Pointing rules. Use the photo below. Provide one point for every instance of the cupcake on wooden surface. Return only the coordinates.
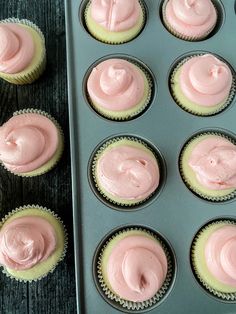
(22, 51)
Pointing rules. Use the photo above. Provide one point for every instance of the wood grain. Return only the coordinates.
(55, 293)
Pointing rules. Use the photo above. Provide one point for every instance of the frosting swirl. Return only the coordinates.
(116, 84)
(214, 162)
(27, 141)
(192, 18)
(205, 80)
(26, 241)
(220, 253)
(116, 15)
(16, 48)
(137, 268)
(128, 172)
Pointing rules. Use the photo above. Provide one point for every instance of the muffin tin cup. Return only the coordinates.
(119, 205)
(227, 297)
(84, 12)
(38, 69)
(230, 99)
(115, 300)
(60, 150)
(135, 114)
(225, 135)
(219, 12)
(22, 208)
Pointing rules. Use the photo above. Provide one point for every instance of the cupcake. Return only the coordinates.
(31, 143)
(125, 171)
(22, 51)
(32, 242)
(189, 19)
(114, 22)
(134, 268)
(214, 258)
(202, 84)
(208, 166)
(119, 89)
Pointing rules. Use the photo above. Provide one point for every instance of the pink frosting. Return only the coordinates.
(27, 141)
(220, 253)
(137, 268)
(192, 18)
(16, 48)
(26, 241)
(116, 85)
(128, 172)
(214, 162)
(116, 15)
(205, 80)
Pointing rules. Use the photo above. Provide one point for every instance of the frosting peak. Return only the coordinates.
(116, 84)
(205, 80)
(214, 162)
(137, 268)
(27, 141)
(194, 12)
(220, 252)
(115, 15)
(16, 48)
(116, 79)
(26, 241)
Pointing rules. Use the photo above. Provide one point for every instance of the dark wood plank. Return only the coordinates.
(56, 292)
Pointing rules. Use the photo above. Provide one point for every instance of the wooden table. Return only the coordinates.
(54, 294)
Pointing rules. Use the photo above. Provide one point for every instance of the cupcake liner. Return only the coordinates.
(61, 134)
(22, 208)
(38, 69)
(182, 36)
(219, 109)
(204, 196)
(93, 171)
(221, 295)
(130, 305)
(141, 109)
(110, 42)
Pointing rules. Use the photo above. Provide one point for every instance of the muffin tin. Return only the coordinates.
(177, 214)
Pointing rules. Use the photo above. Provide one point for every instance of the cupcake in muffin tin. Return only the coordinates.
(203, 84)
(114, 22)
(213, 258)
(126, 172)
(208, 165)
(119, 89)
(134, 268)
(190, 20)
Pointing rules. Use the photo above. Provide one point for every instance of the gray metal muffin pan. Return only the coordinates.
(177, 214)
